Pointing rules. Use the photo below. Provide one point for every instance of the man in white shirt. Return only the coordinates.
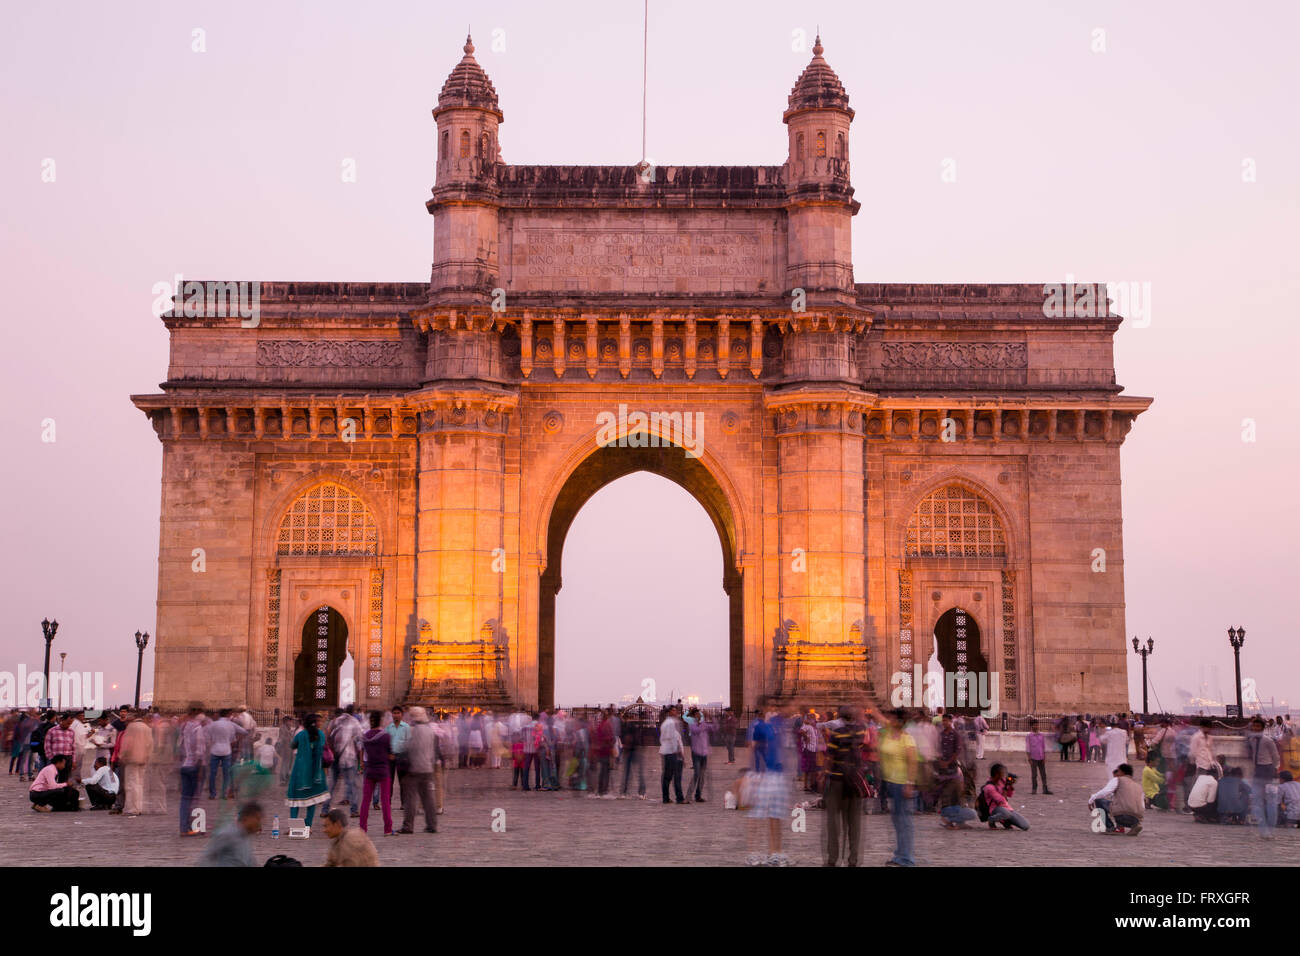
(345, 740)
(264, 754)
(1114, 744)
(80, 737)
(244, 719)
(101, 788)
(670, 750)
(1199, 751)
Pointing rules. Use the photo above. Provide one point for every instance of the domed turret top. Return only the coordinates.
(468, 86)
(818, 87)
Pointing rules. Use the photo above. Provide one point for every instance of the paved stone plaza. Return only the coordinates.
(548, 829)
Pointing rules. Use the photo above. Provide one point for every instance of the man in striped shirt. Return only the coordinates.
(844, 752)
(61, 740)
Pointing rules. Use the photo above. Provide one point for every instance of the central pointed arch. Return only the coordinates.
(601, 467)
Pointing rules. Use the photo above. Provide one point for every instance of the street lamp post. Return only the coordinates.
(49, 629)
(63, 656)
(1144, 651)
(1237, 637)
(141, 642)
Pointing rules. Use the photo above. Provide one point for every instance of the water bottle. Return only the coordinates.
(275, 827)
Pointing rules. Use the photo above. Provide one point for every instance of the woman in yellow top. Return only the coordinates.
(1153, 784)
(1289, 749)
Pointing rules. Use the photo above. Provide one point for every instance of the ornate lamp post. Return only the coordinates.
(1144, 651)
(63, 684)
(1237, 637)
(141, 642)
(49, 629)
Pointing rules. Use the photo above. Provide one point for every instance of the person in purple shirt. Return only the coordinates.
(1036, 751)
(700, 730)
(377, 747)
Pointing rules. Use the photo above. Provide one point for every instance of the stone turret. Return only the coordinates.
(817, 180)
(465, 215)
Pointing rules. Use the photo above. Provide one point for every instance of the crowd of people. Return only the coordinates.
(852, 762)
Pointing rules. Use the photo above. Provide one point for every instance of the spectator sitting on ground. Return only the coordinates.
(101, 788)
(1204, 793)
(953, 813)
(1153, 782)
(1233, 800)
(1289, 792)
(348, 847)
(51, 790)
(1121, 801)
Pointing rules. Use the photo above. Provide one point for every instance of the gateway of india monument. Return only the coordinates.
(897, 473)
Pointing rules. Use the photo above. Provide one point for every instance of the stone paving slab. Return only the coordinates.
(567, 829)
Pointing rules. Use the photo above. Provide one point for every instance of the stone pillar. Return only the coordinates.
(460, 530)
(820, 434)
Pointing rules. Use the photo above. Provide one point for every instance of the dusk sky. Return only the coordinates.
(1168, 161)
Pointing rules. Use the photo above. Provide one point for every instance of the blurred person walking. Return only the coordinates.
(1264, 758)
(284, 745)
(846, 787)
(344, 737)
(135, 753)
(730, 727)
(193, 753)
(770, 791)
(603, 750)
(632, 757)
(898, 767)
(417, 780)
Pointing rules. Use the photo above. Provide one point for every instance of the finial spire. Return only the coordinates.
(817, 43)
(469, 43)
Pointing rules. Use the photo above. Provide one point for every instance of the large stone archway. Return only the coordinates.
(466, 411)
(602, 467)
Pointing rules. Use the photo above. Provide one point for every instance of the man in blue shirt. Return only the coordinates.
(399, 733)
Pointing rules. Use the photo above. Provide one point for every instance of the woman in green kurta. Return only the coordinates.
(307, 786)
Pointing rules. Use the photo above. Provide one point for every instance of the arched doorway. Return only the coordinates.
(600, 468)
(316, 667)
(957, 642)
(643, 613)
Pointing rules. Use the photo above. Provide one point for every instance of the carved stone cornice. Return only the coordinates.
(813, 409)
(485, 411)
(899, 419)
(824, 321)
(277, 417)
(443, 319)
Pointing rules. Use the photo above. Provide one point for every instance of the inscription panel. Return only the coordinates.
(616, 253)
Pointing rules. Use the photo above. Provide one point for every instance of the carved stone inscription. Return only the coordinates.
(638, 255)
(954, 355)
(324, 353)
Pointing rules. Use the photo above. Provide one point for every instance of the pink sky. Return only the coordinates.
(1116, 166)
